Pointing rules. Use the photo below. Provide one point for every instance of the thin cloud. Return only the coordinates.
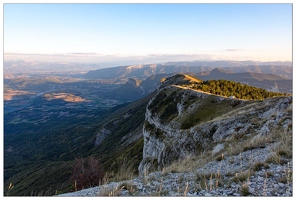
(234, 49)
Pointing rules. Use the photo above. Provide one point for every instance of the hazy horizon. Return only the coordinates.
(92, 58)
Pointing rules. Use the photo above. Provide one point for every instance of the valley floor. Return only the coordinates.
(251, 173)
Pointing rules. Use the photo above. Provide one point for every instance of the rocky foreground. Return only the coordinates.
(231, 176)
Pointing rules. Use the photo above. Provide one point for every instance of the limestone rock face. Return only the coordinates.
(180, 121)
(101, 136)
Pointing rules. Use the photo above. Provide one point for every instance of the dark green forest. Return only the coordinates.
(231, 88)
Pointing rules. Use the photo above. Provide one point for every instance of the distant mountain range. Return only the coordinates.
(144, 71)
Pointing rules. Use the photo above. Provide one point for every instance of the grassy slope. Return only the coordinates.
(43, 163)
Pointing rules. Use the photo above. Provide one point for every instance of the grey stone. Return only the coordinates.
(281, 185)
(260, 178)
(251, 190)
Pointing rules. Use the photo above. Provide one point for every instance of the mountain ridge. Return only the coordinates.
(225, 140)
(144, 71)
(158, 129)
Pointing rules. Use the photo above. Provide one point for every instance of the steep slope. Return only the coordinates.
(180, 121)
(135, 88)
(41, 162)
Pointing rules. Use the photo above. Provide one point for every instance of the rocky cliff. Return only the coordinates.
(180, 121)
(199, 144)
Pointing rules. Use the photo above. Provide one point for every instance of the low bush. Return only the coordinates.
(86, 173)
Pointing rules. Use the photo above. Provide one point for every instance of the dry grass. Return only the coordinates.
(208, 181)
(243, 176)
(259, 165)
(189, 163)
(131, 188)
(104, 191)
(220, 157)
(125, 172)
(10, 187)
(245, 189)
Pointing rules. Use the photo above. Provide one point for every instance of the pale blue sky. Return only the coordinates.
(231, 31)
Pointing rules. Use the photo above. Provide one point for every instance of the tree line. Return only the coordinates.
(236, 89)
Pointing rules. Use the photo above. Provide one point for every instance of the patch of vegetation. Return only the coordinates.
(86, 173)
(153, 130)
(169, 112)
(282, 180)
(259, 165)
(283, 152)
(128, 186)
(202, 181)
(155, 104)
(245, 190)
(220, 157)
(40, 178)
(207, 110)
(231, 88)
(189, 101)
(165, 105)
(243, 176)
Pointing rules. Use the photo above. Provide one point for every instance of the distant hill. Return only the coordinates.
(144, 71)
(284, 71)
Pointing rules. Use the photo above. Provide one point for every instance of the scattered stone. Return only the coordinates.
(260, 178)
(259, 185)
(251, 190)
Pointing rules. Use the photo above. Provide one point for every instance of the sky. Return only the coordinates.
(104, 32)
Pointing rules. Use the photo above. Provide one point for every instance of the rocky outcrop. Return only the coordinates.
(101, 136)
(181, 121)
